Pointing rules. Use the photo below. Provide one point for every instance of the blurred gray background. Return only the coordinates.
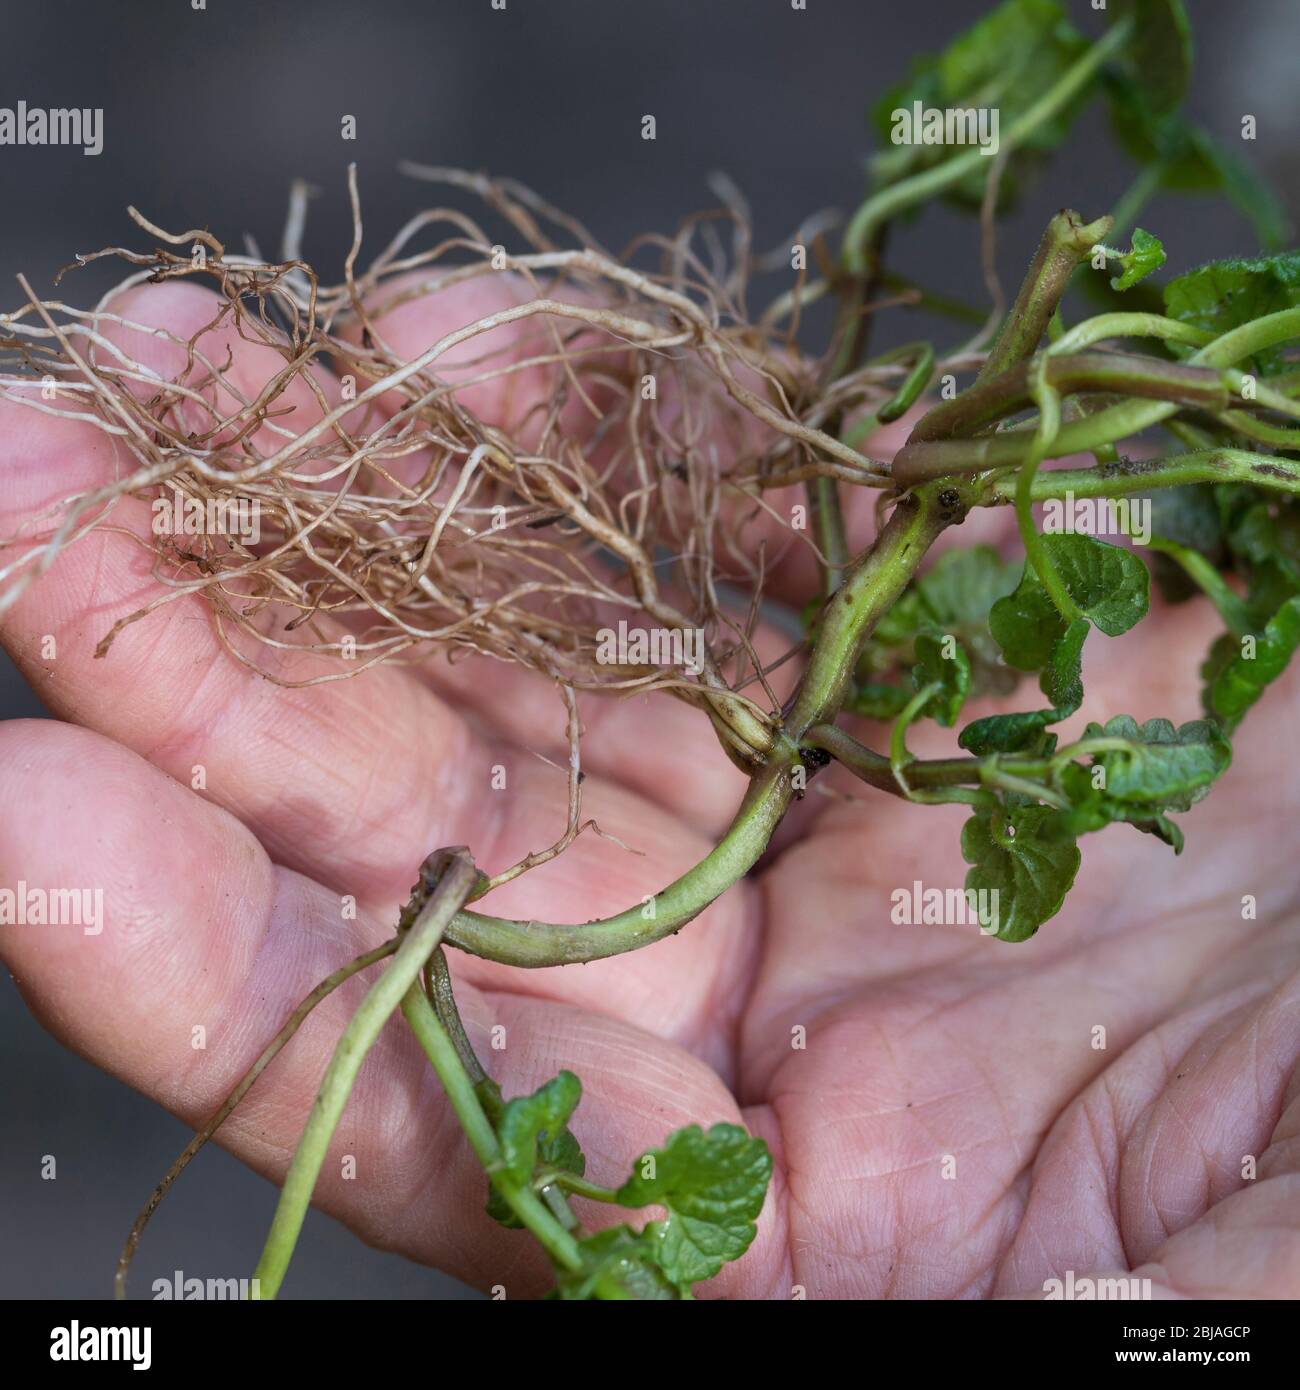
(209, 116)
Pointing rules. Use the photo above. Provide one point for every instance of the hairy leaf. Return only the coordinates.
(1006, 62)
(878, 700)
(1061, 681)
(1162, 766)
(1092, 809)
(1109, 584)
(950, 672)
(952, 598)
(1235, 683)
(712, 1185)
(618, 1263)
(958, 590)
(1226, 294)
(1019, 853)
(534, 1131)
(1264, 534)
(1160, 51)
(1147, 255)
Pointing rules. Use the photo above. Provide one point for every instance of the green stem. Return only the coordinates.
(223, 1112)
(358, 1037)
(937, 458)
(874, 768)
(1000, 777)
(870, 587)
(442, 998)
(1049, 422)
(535, 944)
(1279, 436)
(1141, 475)
(571, 1182)
(828, 527)
(1065, 243)
(1230, 606)
(900, 196)
(1102, 327)
(899, 757)
(456, 1081)
(869, 590)
(1122, 373)
(914, 383)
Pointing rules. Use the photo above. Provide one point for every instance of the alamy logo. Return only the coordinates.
(1125, 1289)
(956, 125)
(39, 125)
(193, 1289)
(1098, 516)
(952, 907)
(52, 907)
(181, 515)
(77, 1343)
(656, 646)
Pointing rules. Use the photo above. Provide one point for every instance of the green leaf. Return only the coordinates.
(534, 1132)
(712, 1185)
(1110, 585)
(1147, 255)
(1264, 533)
(1160, 52)
(1006, 61)
(876, 700)
(952, 598)
(1189, 516)
(1018, 853)
(1226, 294)
(1061, 682)
(1092, 809)
(1062, 677)
(1164, 829)
(940, 661)
(1162, 766)
(1237, 181)
(1020, 732)
(618, 1264)
(1188, 159)
(1157, 769)
(957, 591)
(1235, 683)
(536, 1127)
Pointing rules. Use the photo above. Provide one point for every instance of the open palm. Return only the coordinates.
(950, 1115)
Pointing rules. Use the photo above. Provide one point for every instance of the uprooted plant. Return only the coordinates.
(672, 419)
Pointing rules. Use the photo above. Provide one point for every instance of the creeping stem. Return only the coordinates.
(383, 997)
(546, 943)
(1049, 421)
(866, 593)
(1141, 475)
(930, 458)
(465, 1101)
(322, 991)
(906, 193)
(1066, 242)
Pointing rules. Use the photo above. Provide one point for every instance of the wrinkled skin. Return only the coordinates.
(923, 1043)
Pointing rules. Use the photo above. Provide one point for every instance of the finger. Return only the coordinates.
(352, 782)
(409, 315)
(1181, 1161)
(206, 947)
(686, 775)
